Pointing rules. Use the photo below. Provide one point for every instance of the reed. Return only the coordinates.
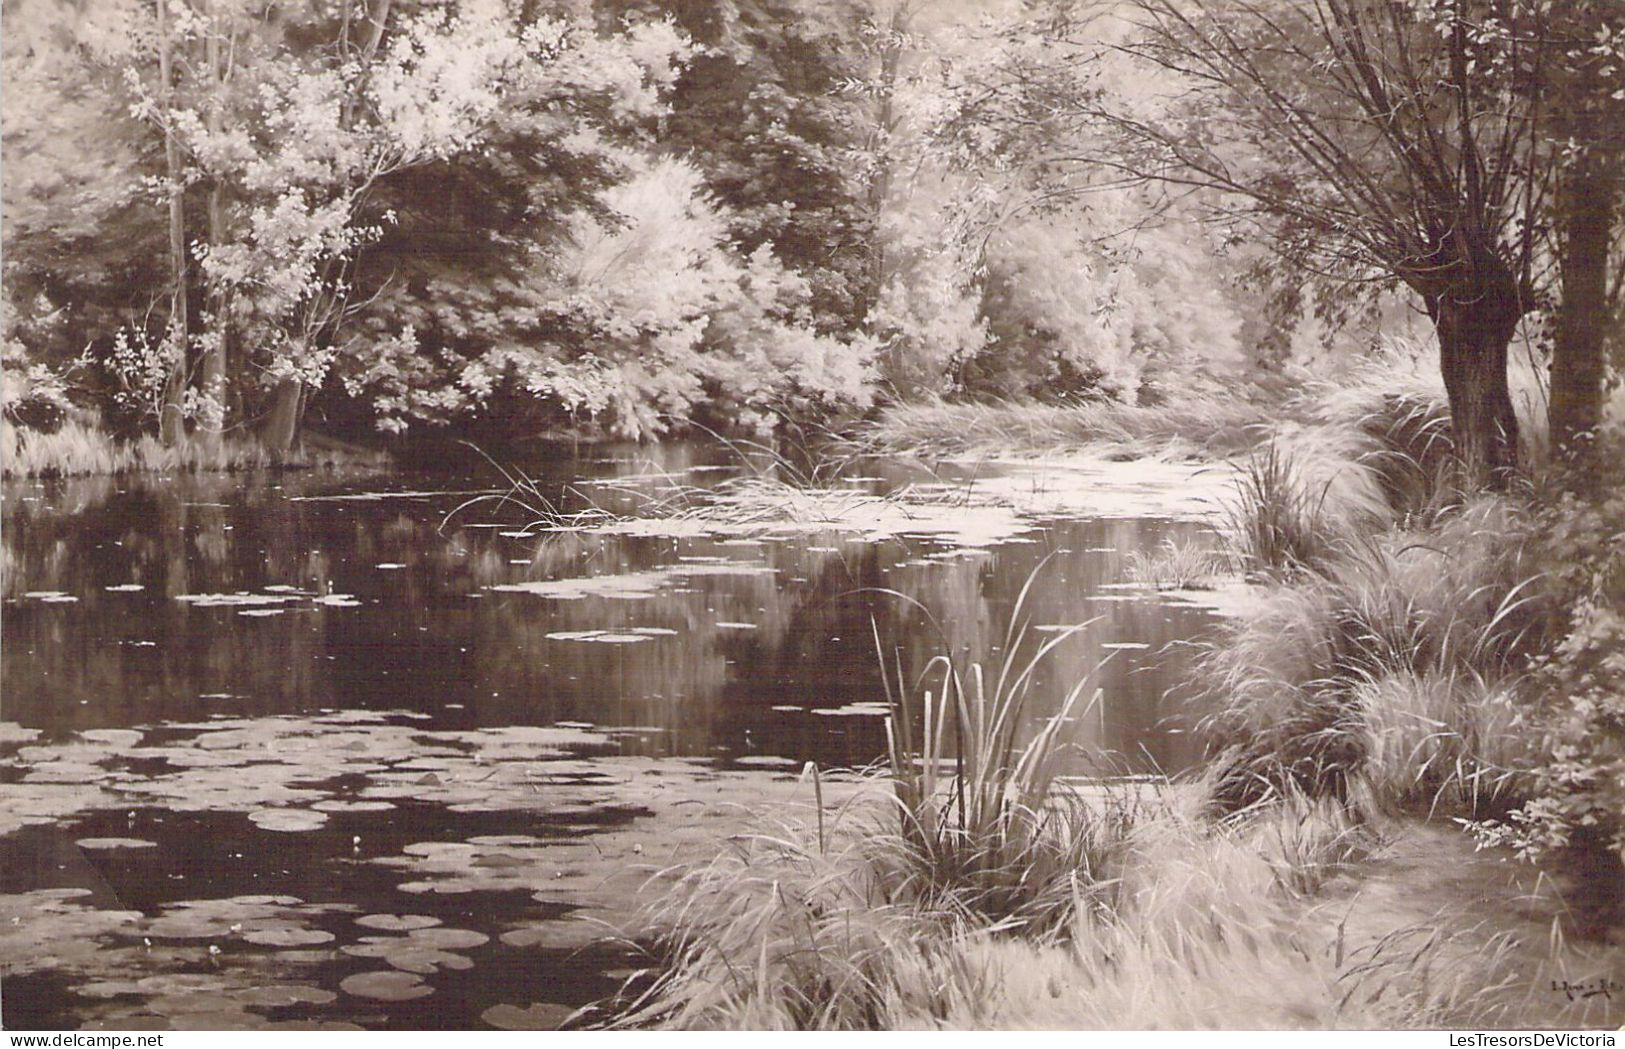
(983, 825)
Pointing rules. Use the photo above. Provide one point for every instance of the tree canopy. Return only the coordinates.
(222, 216)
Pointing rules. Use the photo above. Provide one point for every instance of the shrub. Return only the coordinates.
(1578, 792)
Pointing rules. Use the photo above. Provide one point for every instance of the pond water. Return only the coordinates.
(324, 749)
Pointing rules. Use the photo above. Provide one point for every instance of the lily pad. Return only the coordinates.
(397, 922)
(391, 985)
(11, 732)
(113, 737)
(426, 960)
(287, 820)
(274, 996)
(342, 805)
(540, 1016)
(447, 939)
(115, 843)
(287, 936)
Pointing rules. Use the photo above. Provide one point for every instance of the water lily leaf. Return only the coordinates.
(505, 839)
(426, 960)
(440, 850)
(115, 843)
(287, 936)
(540, 1016)
(601, 636)
(341, 805)
(220, 1020)
(11, 732)
(112, 737)
(277, 995)
(185, 926)
(447, 939)
(397, 922)
(391, 985)
(556, 935)
(287, 820)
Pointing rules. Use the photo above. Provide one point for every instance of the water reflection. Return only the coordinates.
(182, 654)
(201, 596)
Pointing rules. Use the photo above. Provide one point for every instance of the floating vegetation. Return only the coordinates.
(441, 938)
(288, 936)
(397, 922)
(600, 636)
(115, 843)
(389, 985)
(541, 1016)
(287, 820)
(233, 600)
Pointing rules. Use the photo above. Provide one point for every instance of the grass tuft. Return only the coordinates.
(984, 828)
(1388, 677)
(1176, 565)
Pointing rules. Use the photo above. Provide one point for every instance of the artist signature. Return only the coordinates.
(1602, 986)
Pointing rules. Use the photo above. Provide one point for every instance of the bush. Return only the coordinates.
(1578, 793)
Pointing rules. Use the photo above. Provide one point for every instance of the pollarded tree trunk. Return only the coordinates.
(1586, 203)
(1474, 333)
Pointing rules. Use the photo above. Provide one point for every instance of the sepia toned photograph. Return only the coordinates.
(603, 515)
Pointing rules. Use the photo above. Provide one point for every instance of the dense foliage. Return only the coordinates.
(222, 216)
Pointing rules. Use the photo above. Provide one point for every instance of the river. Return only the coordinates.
(331, 748)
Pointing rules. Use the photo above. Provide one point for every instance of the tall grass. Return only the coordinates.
(78, 449)
(1206, 926)
(983, 827)
(1277, 520)
(1389, 676)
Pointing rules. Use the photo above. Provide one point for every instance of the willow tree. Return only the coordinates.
(1395, 139)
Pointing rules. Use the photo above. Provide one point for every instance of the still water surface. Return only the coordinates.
(302, 749)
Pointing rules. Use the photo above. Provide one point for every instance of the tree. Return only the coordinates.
(1588, 109)
(1386, 138)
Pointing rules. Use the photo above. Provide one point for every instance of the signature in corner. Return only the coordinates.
(1575, 990)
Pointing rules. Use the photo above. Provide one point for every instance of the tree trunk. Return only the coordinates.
(171, 417)
(1473, 339)
(282, 425)
(1586, 205)
(216, 354)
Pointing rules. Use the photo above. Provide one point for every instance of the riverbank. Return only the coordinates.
(1292, 918)
(77, 449)
(1383, 838)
